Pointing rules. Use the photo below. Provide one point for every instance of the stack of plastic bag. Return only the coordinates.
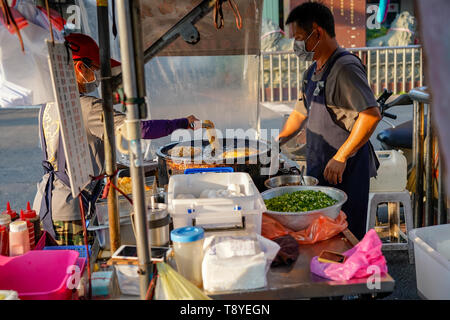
(237, 262)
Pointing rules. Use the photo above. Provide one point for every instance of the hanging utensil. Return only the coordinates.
(301, 175)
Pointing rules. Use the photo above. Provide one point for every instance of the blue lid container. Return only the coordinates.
(187, 234)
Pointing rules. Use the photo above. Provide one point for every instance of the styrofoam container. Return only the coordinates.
(194, 184)
(432, 258)
(392, 173)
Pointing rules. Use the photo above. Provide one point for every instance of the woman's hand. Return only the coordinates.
(194, 123)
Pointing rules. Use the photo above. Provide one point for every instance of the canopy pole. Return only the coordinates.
(108, 123)
(131, 52)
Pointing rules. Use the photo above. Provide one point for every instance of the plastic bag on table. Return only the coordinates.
(173, 286)
(363, 260)
(322, 228)
(271, 228)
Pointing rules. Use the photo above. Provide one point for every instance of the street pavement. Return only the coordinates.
(21, 157)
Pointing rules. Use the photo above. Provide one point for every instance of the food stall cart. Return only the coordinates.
(283, 282)
(293, 282)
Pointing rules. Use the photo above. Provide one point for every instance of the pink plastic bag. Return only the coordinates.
(363, 260)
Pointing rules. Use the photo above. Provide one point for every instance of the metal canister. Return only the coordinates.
(158, 220)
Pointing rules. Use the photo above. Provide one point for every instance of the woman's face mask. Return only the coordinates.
(90, 86)
(300, 49)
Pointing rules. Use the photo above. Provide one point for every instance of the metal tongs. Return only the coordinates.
(301, 176)
(205, 125)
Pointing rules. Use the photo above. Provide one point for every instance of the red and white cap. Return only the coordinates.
(84, 46)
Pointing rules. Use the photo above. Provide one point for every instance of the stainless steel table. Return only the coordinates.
(297, 282)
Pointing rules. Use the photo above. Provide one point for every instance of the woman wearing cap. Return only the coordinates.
(58, 211)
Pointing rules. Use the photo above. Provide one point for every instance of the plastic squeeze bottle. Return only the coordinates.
(4, 240)
(10, 212)
(19, 240)
(31, 216)
(30, 228)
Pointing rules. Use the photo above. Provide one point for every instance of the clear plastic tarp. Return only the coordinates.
(215, 79)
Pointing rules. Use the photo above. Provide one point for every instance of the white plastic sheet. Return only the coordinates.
(22, 75)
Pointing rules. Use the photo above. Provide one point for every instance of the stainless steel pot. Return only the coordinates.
(290, 180)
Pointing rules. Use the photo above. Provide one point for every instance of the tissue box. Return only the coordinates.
(237, 263)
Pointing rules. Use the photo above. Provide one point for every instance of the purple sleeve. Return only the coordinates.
(154, 129)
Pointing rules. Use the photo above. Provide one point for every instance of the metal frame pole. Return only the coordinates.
(130, 33)
(108, 116)
(429, 210)
(442, 202)
(418, 162)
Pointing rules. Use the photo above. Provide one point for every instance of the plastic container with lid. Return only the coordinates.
(188, 249)
(19, 240)
(10, 212)
(31, 216)
(4, 241)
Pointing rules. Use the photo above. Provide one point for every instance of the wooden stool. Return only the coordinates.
(393, 199)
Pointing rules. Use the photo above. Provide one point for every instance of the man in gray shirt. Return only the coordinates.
(340, 109)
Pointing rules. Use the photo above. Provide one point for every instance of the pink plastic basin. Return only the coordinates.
(39, 274)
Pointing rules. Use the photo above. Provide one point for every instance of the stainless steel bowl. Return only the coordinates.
(297, 221)
(290, 180)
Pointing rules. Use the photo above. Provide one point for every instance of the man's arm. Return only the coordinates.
(364, 126)
(292, 125)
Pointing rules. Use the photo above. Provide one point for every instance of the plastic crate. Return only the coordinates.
(80, 249)
(220, 210)
(432, 259)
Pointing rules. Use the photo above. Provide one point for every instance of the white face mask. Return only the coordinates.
(91, 86)
(300, 49)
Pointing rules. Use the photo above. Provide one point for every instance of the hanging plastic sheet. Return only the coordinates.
(23, 74)
(215, 79)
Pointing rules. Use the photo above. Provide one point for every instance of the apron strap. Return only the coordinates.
(45, 211)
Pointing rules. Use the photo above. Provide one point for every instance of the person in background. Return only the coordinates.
(58, 211)
(339, 109)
